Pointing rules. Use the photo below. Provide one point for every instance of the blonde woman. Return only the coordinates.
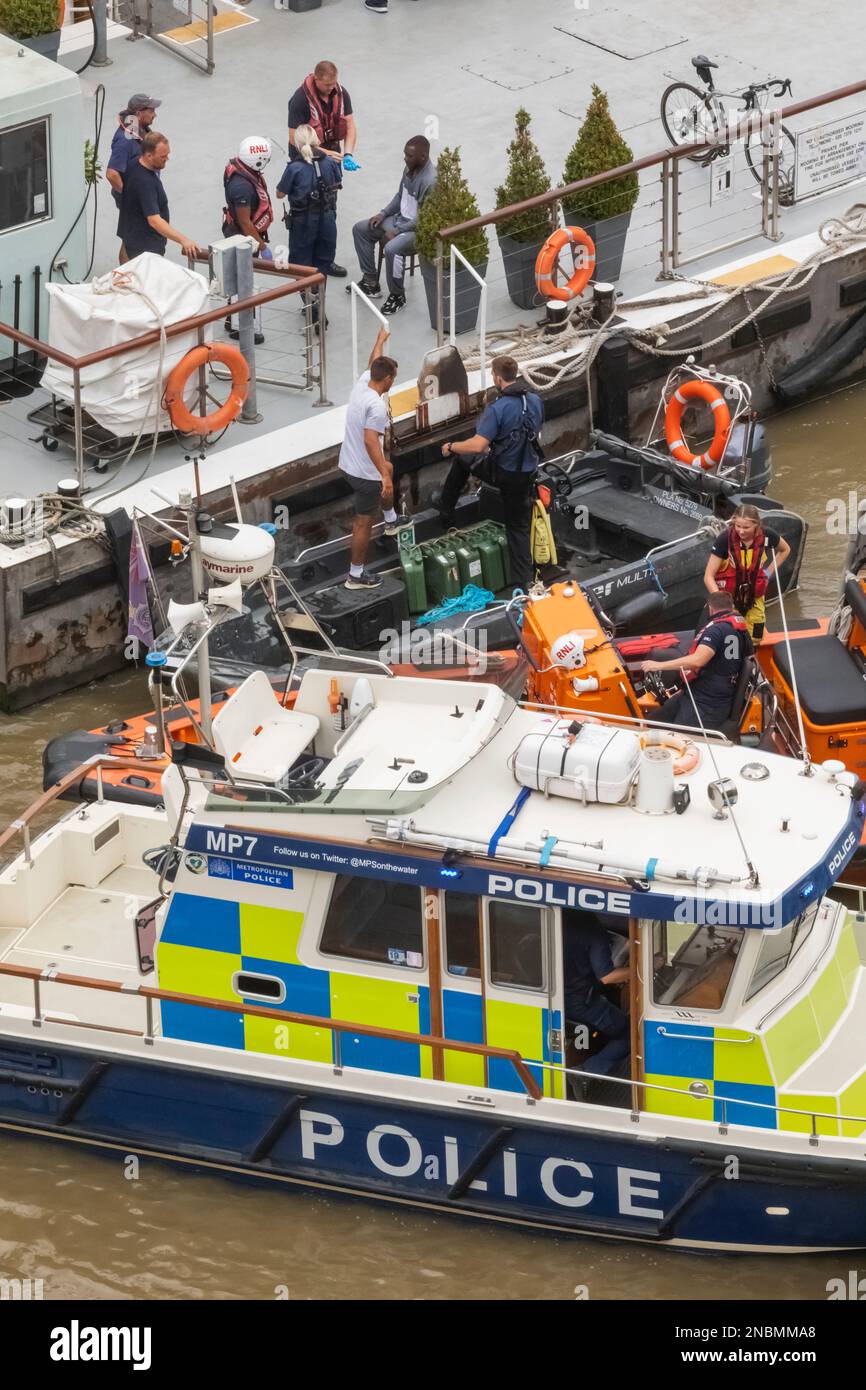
(309, 186)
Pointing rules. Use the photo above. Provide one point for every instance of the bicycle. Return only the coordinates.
(689, 114)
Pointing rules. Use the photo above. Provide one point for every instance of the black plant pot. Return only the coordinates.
(467, 295)
(46, 44)
(519, 258)
(609, 237)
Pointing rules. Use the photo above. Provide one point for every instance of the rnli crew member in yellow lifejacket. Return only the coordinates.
(742, 563)
(711, 668)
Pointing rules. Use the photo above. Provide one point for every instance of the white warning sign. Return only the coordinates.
(831, 154)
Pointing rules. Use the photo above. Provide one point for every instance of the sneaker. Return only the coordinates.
(393, 303)
(393, 528)
(376, 6)
(339, 271)
(364, 580)
(370, 288)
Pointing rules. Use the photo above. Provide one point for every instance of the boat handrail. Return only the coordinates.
(21, 824)
(603, 717)
(337, 1026)
(705, 529)
(724, 1101)
(858, 888)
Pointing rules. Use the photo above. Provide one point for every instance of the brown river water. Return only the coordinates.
(72, 1218)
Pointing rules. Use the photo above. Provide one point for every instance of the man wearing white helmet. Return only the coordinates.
(248, 209)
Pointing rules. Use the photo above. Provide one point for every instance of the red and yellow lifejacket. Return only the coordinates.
(742, 573)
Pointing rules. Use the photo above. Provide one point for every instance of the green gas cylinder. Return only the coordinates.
(468, 558)
(412, 563)
(490, 555)
(441, 571)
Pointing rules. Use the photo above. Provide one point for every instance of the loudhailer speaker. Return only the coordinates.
(227, 596)
(180, 615)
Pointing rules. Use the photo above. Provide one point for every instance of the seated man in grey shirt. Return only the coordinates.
(395, 226)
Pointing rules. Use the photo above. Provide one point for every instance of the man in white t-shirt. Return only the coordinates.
(369, 473)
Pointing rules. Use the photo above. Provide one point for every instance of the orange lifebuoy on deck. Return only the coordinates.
(687, 755)
(548, 259)
(697, 391)
(180, 416)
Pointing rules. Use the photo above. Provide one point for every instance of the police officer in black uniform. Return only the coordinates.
(310, 183)
(508, 433)
(715, 662)
(589, 968)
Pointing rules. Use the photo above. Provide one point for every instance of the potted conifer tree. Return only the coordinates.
(33, 23)
(449, 202)
(521, 237)
(605, 210)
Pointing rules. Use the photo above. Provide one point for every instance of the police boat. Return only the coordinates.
(338, 956)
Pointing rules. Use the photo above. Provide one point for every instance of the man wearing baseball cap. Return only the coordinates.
(133, 123)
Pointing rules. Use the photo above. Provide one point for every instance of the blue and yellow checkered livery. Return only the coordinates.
(207, 941)
(757, 1067)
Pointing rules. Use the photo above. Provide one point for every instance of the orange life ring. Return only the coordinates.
(687, 754)
(697, 391)
(182, 419)
(548, 259)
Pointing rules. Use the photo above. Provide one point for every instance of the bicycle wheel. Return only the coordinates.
(754, 151)
(688, 115)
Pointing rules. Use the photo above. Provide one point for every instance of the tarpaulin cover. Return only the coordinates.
(119, 392)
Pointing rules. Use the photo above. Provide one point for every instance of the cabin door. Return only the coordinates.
(522, 952)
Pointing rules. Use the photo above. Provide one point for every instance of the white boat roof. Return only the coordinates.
(429, 769)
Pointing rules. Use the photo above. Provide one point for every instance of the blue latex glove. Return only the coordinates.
(350, 163)
(266, 254)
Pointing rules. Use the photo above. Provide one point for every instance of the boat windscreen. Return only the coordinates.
(342, 801)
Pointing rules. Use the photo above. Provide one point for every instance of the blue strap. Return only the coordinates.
(651, 869)
(653, 575)
(546, 851)
(507, 820)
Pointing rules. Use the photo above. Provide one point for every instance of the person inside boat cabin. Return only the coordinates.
(742, 561)
(588, 970)
(711, 668)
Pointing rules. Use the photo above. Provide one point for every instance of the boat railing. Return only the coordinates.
(96, 764)
(858, 888)
(338, 1027)
(631, 720)
(703, 1095)
(282, 1017)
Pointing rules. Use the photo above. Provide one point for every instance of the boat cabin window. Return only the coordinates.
(372, 921)
(778, 949)
(516, 952)
(269, 989)
(693, 965)
(462, 941)
(25, 194)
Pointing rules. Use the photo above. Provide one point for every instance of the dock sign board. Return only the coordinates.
(831, 154)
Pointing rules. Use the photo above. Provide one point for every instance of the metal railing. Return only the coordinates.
(277, 351)
(199, 14)
(724, 1124)
(337, 1027)
(670, 219)
(89, 440)
(358, 294)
